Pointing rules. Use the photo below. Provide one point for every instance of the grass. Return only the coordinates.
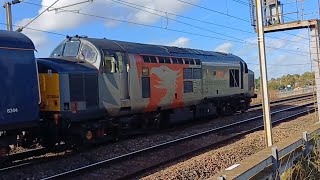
(273, 95)
(307, 166)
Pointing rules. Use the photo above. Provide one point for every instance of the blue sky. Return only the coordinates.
(232, 33)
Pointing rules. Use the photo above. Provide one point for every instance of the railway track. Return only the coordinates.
(20, 162)
(287, 99)
(141, 161)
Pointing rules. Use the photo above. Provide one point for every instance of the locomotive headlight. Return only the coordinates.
(89, 135)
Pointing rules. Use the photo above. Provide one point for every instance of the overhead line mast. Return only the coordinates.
(271, 20)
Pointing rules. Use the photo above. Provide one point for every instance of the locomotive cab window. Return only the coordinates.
(88, 53)
(58, 51)
(71, 48)
(234, 79)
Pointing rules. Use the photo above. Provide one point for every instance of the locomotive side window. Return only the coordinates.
(167, 60)
(187, 73)
(174, 60)
(197, 73)
(161, 59)
(88, 53)
(71, 48)
(122, 61)
(109, 64)
(146, 59)
(153, 59)
(187, 86)
(145, 87)
(234, 77)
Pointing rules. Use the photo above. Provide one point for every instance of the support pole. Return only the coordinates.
(315, 57)
(7, 6)
(263, 75)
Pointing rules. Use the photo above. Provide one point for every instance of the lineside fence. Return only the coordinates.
(296, 92)
(271, 162)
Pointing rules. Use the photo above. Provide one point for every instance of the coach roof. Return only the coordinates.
(15, 40)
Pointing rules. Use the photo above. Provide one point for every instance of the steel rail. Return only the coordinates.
(292, 98)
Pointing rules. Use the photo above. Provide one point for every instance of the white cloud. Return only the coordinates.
(63, 20)
(180, 42)
(225, 47)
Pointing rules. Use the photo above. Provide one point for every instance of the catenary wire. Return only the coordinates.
(190, 18)
(181, 31)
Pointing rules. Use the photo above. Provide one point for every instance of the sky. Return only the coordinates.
(214, 25)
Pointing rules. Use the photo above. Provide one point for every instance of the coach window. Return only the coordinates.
(234, 77)
(88, 53)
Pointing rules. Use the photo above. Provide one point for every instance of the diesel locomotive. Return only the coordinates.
(94, 89)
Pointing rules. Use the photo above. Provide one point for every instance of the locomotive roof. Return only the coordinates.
(159, 50)
(12, 39)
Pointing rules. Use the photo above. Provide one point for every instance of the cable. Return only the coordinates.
(49, 32)
(21, 28)
(241, 2)
(280, 65)
(153, 9)
(222, 13)
(126, 4)
(191, 25)
(185, 32)
(282, 32)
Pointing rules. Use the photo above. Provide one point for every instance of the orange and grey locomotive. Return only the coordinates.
(96, 88)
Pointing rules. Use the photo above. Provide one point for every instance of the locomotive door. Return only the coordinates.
(115, 67)
(123, 75)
